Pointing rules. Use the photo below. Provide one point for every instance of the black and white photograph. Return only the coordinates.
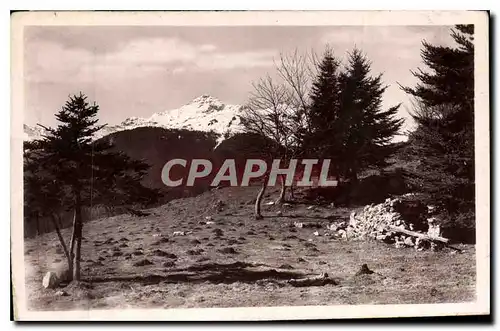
(250, 165)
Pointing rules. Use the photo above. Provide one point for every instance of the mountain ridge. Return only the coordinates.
(204, 113)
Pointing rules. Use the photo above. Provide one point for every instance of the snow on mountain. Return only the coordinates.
(32, 133)
(205, 113)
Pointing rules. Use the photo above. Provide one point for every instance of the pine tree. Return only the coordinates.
(323, 139)
(367, 129)
(443, 141)
(347, 122)
(68, 169)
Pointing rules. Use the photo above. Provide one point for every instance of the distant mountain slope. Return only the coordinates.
(156, 146)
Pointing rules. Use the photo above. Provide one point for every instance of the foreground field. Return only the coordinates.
(236, 261)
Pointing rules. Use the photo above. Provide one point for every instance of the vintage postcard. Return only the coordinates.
(190, 166)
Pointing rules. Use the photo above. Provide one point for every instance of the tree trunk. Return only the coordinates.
(72, 246)
(37, 218)
(78, 238)
(354, 175)
(258, 201)
(416, 234)
(281, 198)
(63, 243)
(292, 193)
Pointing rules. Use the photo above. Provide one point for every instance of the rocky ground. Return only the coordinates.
(209, 251)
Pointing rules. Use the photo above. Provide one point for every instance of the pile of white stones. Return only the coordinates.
(375, 222)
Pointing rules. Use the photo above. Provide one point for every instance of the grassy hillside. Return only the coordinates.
(138, 262)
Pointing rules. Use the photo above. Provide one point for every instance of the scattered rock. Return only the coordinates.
(159, 252)
(62, 293)
(163, 240)
(364, 270)
(168, 264)
(202, 259)
(286, 266)
(320, 280)
(228, 250)
(142, 263)
(195, 251)
(117, 253)
(218, 232)
(195, 242)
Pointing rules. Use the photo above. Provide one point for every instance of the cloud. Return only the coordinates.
(208, 48)
(49, 61)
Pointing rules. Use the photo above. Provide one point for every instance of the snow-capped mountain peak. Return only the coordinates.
(33, 132)
(204, 113)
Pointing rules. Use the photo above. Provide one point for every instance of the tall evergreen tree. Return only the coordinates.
(347, 122)
(324, 137)
(69, 169)
(443, 141)
(367, 129)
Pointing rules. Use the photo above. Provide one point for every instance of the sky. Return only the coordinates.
(141, 70)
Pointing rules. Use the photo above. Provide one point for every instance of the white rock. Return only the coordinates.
(409, 241)
(352, 219)
(316, 233)
(50, 280)
(209, 223)
(270, 203)
(208, 218)
(310, 207)
(279, 213)
(179, 233)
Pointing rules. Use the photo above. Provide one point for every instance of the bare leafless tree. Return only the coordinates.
(297, 71)
(266, 114)
(278, 109)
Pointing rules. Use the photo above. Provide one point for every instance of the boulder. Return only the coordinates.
(50, 280)
(62, 293)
